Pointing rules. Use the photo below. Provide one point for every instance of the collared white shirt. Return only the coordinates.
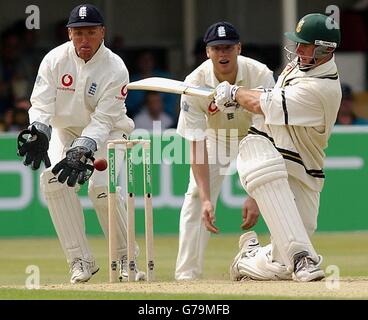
(88, 97)
(198, 114)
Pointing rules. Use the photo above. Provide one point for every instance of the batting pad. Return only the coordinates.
(67, 216)
(263, 175)
(98, 196)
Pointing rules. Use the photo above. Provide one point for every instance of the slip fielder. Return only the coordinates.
(214, 139)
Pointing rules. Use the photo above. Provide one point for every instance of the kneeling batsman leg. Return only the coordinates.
(263, 175)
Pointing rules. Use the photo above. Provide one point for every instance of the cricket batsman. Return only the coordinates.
(280, 162)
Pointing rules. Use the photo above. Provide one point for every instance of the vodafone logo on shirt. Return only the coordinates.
(67, 80)
(123, 92)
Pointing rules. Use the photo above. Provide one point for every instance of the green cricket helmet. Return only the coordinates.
(317, 29)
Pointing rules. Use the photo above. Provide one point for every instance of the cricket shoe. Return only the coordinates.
(248, 246)
(123, 274)
(82, 270)
(306, 269)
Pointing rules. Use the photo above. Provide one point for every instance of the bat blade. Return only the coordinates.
(170, 86)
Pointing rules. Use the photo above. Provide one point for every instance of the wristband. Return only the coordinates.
(86, 142)
(233, 92)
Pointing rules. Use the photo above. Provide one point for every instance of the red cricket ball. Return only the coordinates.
(100, 164)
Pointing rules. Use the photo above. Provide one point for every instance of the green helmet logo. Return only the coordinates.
(299, 26)
(317, 29)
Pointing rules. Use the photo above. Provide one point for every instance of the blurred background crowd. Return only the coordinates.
(21, 52)
(20, 57)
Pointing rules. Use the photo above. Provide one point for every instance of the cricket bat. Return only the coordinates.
(170, 86)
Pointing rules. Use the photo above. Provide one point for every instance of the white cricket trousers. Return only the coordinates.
(193, 235)
(65, 207)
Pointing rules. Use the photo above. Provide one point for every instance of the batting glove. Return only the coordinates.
(225, 97)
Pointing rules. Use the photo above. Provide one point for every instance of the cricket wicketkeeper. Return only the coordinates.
(77, 105)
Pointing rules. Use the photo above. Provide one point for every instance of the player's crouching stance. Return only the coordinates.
(80, 91)
(280, 162)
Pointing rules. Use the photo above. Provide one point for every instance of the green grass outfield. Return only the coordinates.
(347, 251)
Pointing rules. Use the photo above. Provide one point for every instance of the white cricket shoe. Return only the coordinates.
(306, 269)
(254, 262)
(82, 270)
(248, 246)
(123, 274)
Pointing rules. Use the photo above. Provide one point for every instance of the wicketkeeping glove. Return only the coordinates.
(33, 144)
(77, 166)
(225, 97)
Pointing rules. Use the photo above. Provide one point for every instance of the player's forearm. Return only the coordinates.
(42, 115)
(43, 107)
(199, 165)
(201, 176)
(97, 130)
(249, 100)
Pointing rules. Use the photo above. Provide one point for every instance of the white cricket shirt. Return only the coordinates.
(88, 97)
(299, 114)
(198, 114)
